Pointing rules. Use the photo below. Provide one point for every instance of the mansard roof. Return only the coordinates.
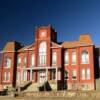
(84, 40)
(12, 46)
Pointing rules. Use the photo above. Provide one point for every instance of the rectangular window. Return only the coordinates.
(73, 58)
(42, 59)
(7, 62)
(54, 58)
(83, 74)
(88, 73)
(74, 75)
(66, 57)
(85, 57)
(6, 76)
(18, 61)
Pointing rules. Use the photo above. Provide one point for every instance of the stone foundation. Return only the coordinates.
(61, 94)
(84, 86)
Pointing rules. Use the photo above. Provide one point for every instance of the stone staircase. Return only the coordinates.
(45, 86)
(36, 87)
(32, 87)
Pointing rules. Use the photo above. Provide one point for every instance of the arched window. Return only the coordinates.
(8, 62)
(42, 53)
(73, 57)
(66, 57)
(84, 57)
(32, 60)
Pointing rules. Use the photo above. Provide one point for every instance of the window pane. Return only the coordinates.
(73, 57)
(66, 57)
(54, 57)
(42, 53)
(85, 57)
(83, 74)
(8, 62)
(18, 61)
(6, 76)
(88, 74)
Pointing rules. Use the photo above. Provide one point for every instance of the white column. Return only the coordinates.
(26, 71)
(22, 75)
(30, 74)
(56, 74)
(46, 74)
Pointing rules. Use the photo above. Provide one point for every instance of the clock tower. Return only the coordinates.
(48, 35)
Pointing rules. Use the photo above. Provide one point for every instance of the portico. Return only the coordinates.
(42, 73)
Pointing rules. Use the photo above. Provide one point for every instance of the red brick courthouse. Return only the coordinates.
(63, 65)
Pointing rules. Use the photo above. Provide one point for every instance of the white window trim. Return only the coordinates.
(82, 74)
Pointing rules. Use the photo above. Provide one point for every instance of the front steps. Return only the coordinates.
(46, 86)
(32, 87)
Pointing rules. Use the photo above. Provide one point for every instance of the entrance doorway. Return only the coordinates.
(42, 76)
